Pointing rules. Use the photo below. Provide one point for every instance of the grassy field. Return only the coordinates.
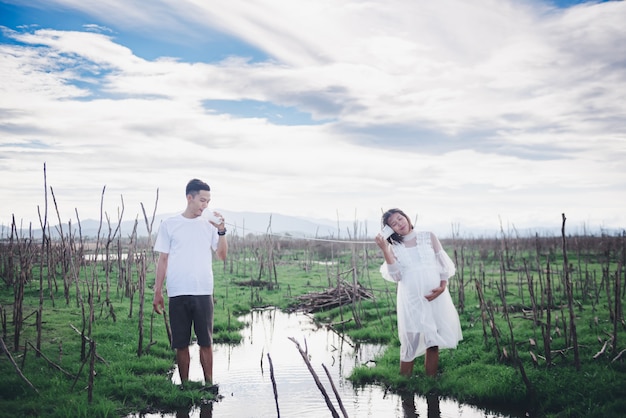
(543, 338)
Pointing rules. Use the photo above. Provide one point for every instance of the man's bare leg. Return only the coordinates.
(182, 359)
(206, 360)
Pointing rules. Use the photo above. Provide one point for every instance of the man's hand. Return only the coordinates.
(158, 303)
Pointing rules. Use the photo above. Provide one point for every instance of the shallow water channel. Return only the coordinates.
(246, 389)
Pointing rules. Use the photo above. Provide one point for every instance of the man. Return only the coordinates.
(185, 243)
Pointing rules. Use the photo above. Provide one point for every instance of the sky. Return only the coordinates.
(469, 116)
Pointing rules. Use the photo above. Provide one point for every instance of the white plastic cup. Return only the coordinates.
(210, 216)
(386, 232)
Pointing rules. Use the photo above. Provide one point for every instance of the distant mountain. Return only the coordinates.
(261, 223)
(239, 223)
(256, 223)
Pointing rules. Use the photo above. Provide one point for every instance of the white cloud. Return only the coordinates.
(460, 112)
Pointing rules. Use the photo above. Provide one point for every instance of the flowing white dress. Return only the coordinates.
(421, 265)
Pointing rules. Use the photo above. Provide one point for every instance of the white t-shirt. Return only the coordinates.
(190, 244)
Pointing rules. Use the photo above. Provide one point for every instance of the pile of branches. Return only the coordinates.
(343, 294)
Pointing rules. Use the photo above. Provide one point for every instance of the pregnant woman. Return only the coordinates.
(427, 317)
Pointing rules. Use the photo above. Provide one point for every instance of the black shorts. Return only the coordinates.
(187, 309)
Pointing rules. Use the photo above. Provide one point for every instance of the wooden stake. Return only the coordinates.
(17, 369)
(305, 357)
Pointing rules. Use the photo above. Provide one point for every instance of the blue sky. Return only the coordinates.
(472, 114)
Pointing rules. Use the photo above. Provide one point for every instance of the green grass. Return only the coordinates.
(472, 373)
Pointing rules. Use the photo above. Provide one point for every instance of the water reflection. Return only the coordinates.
(206, 411)
(246, 388)
(243, 370)
(409, 407)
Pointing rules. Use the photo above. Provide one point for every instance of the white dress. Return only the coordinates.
(421, 265)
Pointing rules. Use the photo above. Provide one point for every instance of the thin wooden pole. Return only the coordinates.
(332, 384)
(274, 385)
(17, 369)
(305, 357)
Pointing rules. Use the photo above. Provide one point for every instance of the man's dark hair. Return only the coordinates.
(194, 186)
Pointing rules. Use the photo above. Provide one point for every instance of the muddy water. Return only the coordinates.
(245, 384)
